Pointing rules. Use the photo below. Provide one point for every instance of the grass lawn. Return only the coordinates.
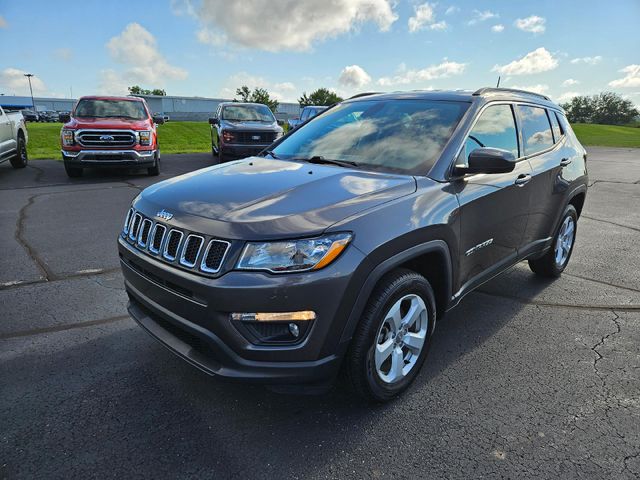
(607, 135)
(175, 137)
(193, 137)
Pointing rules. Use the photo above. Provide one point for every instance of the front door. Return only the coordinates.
(494, 207)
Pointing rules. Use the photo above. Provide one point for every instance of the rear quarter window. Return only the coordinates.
(536, 129)
(555, 126)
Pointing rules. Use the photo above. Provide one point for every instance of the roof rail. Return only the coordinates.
(365, 94)
(482, 91)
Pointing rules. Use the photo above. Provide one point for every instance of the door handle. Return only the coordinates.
(523, 179)
(564, 162)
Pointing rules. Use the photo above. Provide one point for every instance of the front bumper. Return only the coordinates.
(97, 158)
(242, 150)
(190, 315)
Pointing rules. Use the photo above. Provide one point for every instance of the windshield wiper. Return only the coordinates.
(270, 152)
(320, 160)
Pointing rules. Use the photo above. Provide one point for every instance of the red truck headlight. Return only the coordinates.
(67, 138)
(145, 137)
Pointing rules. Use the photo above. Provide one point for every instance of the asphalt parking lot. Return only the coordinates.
(527, 378)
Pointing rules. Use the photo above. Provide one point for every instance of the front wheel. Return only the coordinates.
(393, 338)
(553, 263)
(20, 159)
(72, 172)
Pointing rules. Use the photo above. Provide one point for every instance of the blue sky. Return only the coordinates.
(210, 47)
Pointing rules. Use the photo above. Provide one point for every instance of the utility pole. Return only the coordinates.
(33, 103)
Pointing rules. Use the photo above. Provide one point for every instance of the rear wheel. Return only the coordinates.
(72, 172)
(392, 339)
(20, 159)
(553, 263)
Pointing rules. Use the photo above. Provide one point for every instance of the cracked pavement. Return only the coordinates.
(527, 378)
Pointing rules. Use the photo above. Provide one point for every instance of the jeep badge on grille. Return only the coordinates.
(164, 214)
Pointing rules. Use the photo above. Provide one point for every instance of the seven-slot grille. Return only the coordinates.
(173, 245)
(106, 138)
(255, 137)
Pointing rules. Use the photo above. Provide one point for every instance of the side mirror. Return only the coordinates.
(166, 118)
(488, 160)
(158, 119)
(65, 117)
(214, 121)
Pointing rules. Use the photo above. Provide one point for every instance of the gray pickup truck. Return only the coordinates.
(13, 139)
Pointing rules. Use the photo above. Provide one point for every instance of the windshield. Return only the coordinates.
(405, 136)
(247, 113)
(111, 108)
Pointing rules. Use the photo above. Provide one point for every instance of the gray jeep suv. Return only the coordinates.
(342, 244)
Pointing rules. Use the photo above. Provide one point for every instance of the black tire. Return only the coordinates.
(359, 368)
(72, 172)
(155, 170)
(20, 159)
(547, 265)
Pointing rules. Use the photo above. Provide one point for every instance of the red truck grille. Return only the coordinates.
(106, 138)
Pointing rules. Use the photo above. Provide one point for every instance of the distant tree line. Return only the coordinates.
(257, 95)
(606, 108)
(138, 90)
(321, 96)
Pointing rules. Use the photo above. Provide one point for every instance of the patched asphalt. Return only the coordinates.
(527, 378)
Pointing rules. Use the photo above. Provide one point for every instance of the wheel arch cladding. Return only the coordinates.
(431, 259)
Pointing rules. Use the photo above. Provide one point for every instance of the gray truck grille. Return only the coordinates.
(262, 138)
(172, 245)
(106, 138)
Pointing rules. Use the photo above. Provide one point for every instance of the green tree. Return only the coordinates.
(321, 96)
(138, 90)
(258, 95)
(606, 108)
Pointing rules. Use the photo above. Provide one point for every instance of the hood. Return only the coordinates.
(109, 123)
(255, 126)
(259, 198)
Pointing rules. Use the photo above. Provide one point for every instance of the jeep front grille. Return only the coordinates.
(181, 248)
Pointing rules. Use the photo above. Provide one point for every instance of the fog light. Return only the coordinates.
(295, 331)
(301, 316)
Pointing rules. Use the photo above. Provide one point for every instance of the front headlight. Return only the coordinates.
(67, 137)
(145, 137)
(293, 255)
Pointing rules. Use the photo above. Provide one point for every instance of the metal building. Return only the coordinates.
(177, 108)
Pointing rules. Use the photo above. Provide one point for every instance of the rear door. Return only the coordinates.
(494, 207)
(543, 144)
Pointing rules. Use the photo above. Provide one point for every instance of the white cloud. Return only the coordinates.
(588, 60)
(291, 25)
(538, 88)
(532, 24)
(539, 60)
(136, 49)
(424, 17)
(631, 79)
(479, 16)
(283, 91)
(566, 96)
(3, 22)
(354, 76)
(444, 70)
(13, 81)
(451, 10)
(211, 38)
(497, 28)
(570, 82)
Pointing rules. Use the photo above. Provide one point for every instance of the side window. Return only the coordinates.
(496, 128)
(562, 120)
(536, 129)
(555, 126)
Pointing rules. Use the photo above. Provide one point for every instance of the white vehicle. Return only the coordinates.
(13, 139)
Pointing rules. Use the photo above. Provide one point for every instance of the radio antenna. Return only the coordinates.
(498, 85)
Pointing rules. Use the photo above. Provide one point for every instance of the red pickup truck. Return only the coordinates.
(110, 131)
